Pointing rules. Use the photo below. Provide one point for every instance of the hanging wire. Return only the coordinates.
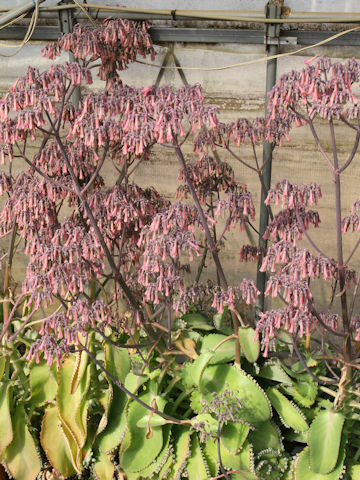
(257, 60)
(81, 6)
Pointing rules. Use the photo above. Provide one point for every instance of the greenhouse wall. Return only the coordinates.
(238, 92)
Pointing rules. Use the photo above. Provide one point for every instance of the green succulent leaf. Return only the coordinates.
(154, 468)
(196, 466)
(243, 460)
(134, 382)
(79, 370)
(192, 372)
(289, 413)
(300, 437)
(198, 321)
(116, 425)
(117, 362)
(144, 445)
(208, 422)
(103, 468)
(274, 371)
(324, 440)
(165, 471)
(233, 436)
(266, 436)
(355, 472)
(43, 383)
(105, 399)
(304, 393)
(21, 456)
(181, 444)
(3, 361)
(54, 443)
(223, 354)
(220, 378)
(73, 406)
(151, 419)
(221, 322)
(303, 471)
(6, 428)
(244, 475)
(249, 346)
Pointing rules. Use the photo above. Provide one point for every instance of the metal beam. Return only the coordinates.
(201, 35)
(272, 32)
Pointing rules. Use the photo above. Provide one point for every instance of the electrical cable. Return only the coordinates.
(257, 60)
(204, 15)
(92, 21)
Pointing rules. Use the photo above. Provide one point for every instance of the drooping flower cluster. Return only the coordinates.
(291, 195)
(231, 296)
(134, 119)
(321, 88)
(351, 223)
(293, 320)
(301, 263)
(208, 175)
(236, 207)
(59, 332)
(116, 43)
(250, 253)
(289, 224)
(170, 233)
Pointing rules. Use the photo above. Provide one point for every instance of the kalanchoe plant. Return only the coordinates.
(111, 271)
(112, 300)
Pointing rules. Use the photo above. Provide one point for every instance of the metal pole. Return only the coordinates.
(66, 26)
(273, 10)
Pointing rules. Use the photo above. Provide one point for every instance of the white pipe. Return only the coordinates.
(17, 11)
